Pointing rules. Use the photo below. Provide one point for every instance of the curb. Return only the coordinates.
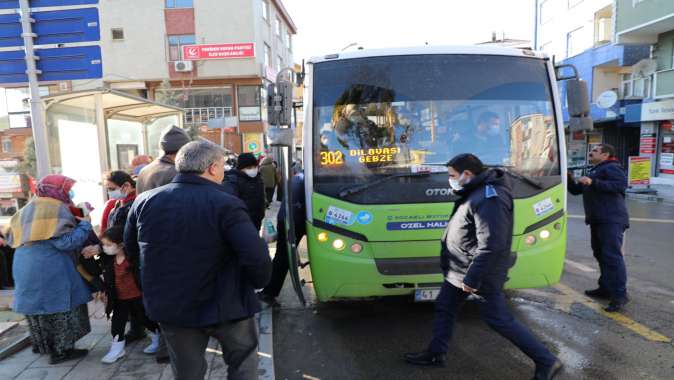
(17, 345)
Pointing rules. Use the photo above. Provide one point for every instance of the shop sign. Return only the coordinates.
(639, 172)
(667, 159)
(250, 113)
(252, 142)
(647, 143)
(218, 51)
(657, 111)
(10, 183)
(9, 164)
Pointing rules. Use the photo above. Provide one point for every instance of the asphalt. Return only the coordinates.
(366, 339)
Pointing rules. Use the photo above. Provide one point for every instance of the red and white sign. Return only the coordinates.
(218, 51)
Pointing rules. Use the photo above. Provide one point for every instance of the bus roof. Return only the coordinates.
(421, 50)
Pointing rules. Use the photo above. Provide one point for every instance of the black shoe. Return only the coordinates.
(598, 293)
(269, 300)
(548, 373)
(426, 358)
(617, 304)
(69, 355)
(133, 336)
(163, 359)
(35, 349)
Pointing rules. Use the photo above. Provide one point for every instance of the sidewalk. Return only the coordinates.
(664, 193)
(26, 365)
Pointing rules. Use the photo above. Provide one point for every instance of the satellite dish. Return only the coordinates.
(644, 68)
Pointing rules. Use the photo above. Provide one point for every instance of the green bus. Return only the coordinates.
(380, 126)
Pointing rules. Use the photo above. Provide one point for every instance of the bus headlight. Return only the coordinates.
(356, 248)
(338, 244)
(530, 240)
(544, 234)
(322, 237)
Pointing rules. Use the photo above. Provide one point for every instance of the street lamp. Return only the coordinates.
(349, 45)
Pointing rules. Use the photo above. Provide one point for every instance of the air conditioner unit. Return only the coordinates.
(182, 66)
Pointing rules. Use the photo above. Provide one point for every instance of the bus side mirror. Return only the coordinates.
(580, 124)
(578, 101)
(577, 98)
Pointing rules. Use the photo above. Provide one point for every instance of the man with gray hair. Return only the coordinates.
(201, 260)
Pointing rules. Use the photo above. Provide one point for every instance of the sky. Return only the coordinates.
(328, 26)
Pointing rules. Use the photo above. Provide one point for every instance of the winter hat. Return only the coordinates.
(246, 160)
(173, 138)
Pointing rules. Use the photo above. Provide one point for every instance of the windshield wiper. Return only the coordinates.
(509, 169)
(363, 186)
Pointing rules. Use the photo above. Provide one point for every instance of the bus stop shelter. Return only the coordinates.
(95, 131)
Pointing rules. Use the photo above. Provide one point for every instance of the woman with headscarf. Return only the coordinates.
(48, 288)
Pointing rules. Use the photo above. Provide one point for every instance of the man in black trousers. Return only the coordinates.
(603, 192)
(475, 258)
(280, 263)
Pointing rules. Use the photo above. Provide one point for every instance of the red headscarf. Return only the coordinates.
(56, 186)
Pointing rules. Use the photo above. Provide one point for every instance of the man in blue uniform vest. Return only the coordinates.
(475, 258)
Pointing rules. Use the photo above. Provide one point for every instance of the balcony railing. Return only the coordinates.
(194, 116)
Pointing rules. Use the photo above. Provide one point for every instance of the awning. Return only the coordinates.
(115, 104)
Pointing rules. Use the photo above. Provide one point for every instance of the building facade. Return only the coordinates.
(142, 45)
(144, 53)
(581, 33)
(651, 22)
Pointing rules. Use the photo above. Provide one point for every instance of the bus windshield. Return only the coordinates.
(403, 117)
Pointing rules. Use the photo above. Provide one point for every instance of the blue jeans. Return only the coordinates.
(494, 311)
(606, 241)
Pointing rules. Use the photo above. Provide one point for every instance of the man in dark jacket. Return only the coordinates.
(245, 183)
(201, 260)
(281, 260)
(475, 258)
(158, 173)
(603, 192)
(161, 171)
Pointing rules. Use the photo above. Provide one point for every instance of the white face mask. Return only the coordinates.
(252, 173)
(455, 184)
(110, 250)
(116, 194)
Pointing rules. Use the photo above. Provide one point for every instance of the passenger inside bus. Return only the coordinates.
(485, 138)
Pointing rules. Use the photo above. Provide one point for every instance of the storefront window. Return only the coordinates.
(249, 103)
(200, 104)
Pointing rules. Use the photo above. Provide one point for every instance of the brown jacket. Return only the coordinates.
(268, 172)
(158, 173)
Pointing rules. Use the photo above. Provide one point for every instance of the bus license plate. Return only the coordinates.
(426, 295)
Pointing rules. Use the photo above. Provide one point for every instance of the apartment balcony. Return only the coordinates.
(201, 115)
(663, 83)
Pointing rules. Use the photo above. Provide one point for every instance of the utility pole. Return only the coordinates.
(36, 111)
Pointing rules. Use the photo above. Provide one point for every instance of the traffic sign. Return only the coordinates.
(14, 4)
(56, 64)
(54, 27)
